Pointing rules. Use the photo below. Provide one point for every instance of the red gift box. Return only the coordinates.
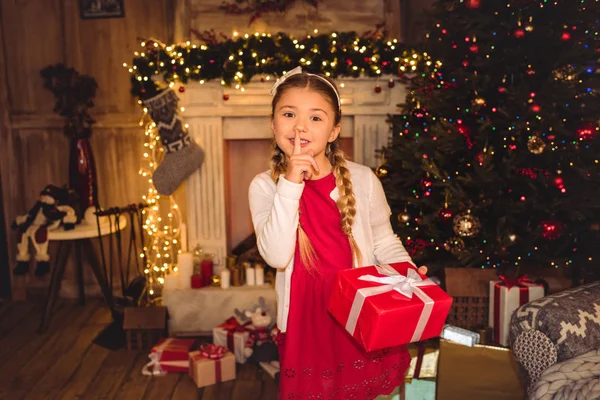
(172, 354)
(388, 305)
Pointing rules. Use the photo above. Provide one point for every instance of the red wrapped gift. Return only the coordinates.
(388, 305)
(171, 355)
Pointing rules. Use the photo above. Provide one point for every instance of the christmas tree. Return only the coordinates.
(494, 163)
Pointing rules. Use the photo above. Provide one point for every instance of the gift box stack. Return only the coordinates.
(388, 305)
(207, 365)
(506, 295)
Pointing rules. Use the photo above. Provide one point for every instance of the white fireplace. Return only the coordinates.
(233, 128)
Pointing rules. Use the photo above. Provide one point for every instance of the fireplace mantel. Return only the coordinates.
(216, 114)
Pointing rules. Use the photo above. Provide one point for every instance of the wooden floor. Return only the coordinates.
(64, 364)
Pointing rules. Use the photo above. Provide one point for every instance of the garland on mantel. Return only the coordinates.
(235, 61)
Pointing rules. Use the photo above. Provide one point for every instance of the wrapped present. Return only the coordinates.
(506, 295)
(211, 364)
(169, 355)
(460, 335)
(388, 305)
(234, 336)
(423, 362)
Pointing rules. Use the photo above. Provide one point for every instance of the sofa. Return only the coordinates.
(556, 342)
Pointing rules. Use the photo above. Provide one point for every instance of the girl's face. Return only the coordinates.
(308, 113)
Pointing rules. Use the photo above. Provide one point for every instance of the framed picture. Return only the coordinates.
(90, 9)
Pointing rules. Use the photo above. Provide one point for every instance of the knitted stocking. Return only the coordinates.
(183, 156)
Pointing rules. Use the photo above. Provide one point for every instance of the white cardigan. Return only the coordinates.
(274, 210)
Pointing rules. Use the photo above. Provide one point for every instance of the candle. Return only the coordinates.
(185, 262)
(250, 277)
(171, 282)
(259, 271)
(225, 278)
(206, 270)
(183, 237)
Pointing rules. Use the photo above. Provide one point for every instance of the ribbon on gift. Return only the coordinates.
(523, 283)
(231, 325)
(393, 280)
(153, 367)
(212, 352)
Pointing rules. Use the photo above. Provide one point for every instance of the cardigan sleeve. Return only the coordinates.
(387, 246)
(275, 215)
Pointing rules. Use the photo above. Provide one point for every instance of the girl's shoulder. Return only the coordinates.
(360, 174)
(263, 180)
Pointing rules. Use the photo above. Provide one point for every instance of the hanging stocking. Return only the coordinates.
(183, 156)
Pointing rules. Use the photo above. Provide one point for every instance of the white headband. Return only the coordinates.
(298, 70)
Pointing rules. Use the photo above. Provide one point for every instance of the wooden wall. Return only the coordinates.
(37, 33)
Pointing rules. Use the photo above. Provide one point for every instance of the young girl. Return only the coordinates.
(314, 214)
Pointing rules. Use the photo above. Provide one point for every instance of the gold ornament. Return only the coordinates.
(536, 145)
(216, 280)
(404, 217)
(466, 225)
(454, 245)
(479, 101)
(381, 171)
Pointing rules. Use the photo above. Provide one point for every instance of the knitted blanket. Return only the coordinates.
(573, 379)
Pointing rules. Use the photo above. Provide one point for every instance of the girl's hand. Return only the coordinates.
(300, 166)
(423, 270)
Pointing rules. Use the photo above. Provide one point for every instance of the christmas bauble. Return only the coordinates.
(473, 4)
(445, 214)
(381, 171)
(181, 89)
(454, 245)
(404, 217)
(391, 83)
(552, 229)
(418, 112)
(377, 89)
(466, 225)
(536, 145)
(426, 183)
(225, 97)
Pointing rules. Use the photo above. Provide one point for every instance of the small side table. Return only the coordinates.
(79, 239)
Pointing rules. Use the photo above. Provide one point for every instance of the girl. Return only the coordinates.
(315, 213)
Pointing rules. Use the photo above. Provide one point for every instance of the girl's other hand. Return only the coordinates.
(423, 270)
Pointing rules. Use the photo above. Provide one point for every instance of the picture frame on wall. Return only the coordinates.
(93, 9)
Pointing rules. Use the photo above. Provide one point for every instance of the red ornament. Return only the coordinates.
(480, 158)
(349, 62)
(519, 33)
(512, 146)
(465, 63)
(142, 91)
(262, 78)
(181, 89)
(419, 112)
(585, 133)
(565, 36)
(552, 229)
(377, 89)
(536, 108)
(391, 83)
(426, 184)
(473, 4)
(225, 97)
(445, 214)
(501, 89)
(474, 48)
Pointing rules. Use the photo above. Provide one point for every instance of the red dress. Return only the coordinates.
(319, 359)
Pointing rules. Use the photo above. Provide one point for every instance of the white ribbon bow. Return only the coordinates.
(404, 285)
(154, 364)
(295, 71)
